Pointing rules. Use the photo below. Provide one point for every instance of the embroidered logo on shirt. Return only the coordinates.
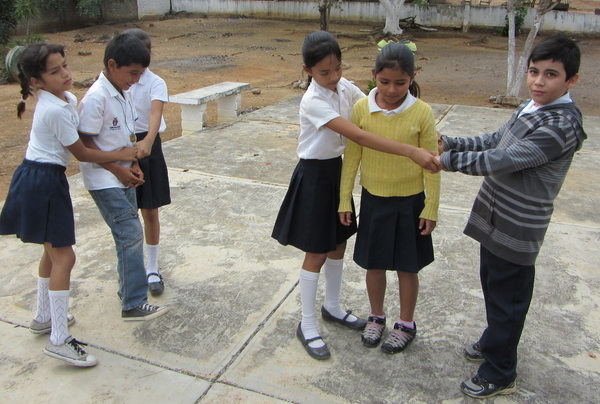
(115, 124)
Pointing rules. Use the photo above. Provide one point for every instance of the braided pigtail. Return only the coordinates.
(32, 64)
(25, 92)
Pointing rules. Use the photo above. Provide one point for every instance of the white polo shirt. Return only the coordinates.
(150, 88)
(54, 127)
(109, 117)
(320, 105)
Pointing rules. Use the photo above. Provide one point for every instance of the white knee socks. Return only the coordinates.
(59, 305)
(308, 294)
(152, 266)
(333, 270)
(42, 309)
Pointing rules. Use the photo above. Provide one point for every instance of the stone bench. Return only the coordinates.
(193, 104)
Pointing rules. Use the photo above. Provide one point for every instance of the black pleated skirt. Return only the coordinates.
(308, 218)
(389, 236)
(155, 191)
(38, 207)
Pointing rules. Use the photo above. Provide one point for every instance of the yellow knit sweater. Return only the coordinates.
(384, 174)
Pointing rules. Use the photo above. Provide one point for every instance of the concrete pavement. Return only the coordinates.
(235, 305)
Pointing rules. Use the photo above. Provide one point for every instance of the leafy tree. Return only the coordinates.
(8, 20)
(26, 10)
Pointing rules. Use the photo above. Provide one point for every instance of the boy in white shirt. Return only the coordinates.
(107, 122)
(149, 96)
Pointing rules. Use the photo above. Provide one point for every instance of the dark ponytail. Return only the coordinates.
(32, 63)
(398, 56)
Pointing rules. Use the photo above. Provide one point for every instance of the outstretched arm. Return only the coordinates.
(422, 157)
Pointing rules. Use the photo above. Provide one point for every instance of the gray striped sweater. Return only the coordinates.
(524, 163)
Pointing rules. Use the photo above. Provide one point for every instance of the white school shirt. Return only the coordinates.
(406, 104)
(109, 117)
(54, 127)
(150, 88)
(320, 105)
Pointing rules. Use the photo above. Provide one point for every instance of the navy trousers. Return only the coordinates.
(507, 290)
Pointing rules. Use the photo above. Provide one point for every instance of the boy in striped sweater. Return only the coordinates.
(524, 163)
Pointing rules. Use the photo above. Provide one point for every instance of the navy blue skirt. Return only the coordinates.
(155, 191)
(38, 208)
(389, 236)
(308, 218)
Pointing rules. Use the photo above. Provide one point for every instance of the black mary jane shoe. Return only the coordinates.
(156, 288)
(359, 324)
(316, 353)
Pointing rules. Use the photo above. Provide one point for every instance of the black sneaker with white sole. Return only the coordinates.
(144, 312)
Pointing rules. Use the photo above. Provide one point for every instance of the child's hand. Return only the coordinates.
(128, 154)
(440, 143)
(427, 226)
(131, 177)
(439, 160)
(346, 218)
(426, 159)
(144, 148)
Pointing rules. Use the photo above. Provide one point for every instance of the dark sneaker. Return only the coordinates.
(399, 338)
(45, 328)
(71, 352)
(145, 312)
(473, 352)
(478, 387)
(371, 336)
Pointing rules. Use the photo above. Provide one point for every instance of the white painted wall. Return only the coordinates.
(151, 8)
(436, 16)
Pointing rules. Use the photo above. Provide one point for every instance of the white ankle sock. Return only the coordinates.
(59, 304)
(42, 309)
(152, 266)
(308, 295)
(407, 324)
(333, 270)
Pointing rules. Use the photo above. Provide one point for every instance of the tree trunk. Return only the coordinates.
(324, 12)
(392, 16)
(510, 9)
(466, 17)
(514, 85)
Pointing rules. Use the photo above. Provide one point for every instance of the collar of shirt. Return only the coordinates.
(325, 92)
(530, 107)
(373, 107)
(109, 86)
(52, 98)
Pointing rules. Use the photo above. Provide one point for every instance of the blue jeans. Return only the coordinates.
(118, 207)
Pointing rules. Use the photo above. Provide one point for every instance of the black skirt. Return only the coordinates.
(389, 236)
(38, 208)
(155, 191)
(308, 218)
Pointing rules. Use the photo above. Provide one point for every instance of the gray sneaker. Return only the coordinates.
(473, 352)
(71, 352)
(45, 328)
(145, 312)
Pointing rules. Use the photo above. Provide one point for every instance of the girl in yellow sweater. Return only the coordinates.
(399, 201)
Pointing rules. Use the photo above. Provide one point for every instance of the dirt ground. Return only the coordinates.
(190, 52)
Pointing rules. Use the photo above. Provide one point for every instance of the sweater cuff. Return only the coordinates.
(446, 159)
